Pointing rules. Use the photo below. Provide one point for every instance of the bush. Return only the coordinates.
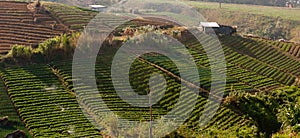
(38, 57)
(46, 48)
(289, 111)
(273, 112)
(21, 52)
(58, 48)
(261, 109)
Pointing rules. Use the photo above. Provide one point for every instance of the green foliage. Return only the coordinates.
(262, 109)
(58, 48)
(233, 131)
(46, 108)
(8, 109)
(74, 17)
(48, 46)
(21, 52)
(271, 113)
(224, 120)
(289, 109)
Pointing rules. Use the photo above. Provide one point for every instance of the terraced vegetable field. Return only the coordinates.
(73, 17)
(7, 109)
(41, 99)
(263, 59)
(291, 48)
(238, 69)
(20, 26)
(47, 108)
(269, 55)
(247, 67)
(239, 79)
(140, 72)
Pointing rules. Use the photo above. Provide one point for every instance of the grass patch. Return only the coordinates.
(283, 12)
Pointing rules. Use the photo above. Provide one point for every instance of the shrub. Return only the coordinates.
(261, 109)
(38, 57)
(273, 112)
(21, 52)
(47, 46)
(289, 111)
(58, 48)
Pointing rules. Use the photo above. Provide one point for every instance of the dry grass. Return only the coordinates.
(283, 12)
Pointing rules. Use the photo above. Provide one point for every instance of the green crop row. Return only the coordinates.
(291, 48)
(204, 75)
(7, 109)
(238, 67)
(46, 108)
(139, 77)
(242, 61)
(69, 15)
(264, 53)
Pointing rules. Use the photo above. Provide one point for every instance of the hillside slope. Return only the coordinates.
(8, 109)
(47, 109)
(45, 97)
(73, 17)
(263, 21)
(21, 26)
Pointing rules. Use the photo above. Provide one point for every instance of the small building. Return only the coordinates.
(226, 30)
(215, 28)
(99, 8)
(209, 27)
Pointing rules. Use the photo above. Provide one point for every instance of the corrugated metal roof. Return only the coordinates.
(97, 6)
(209, 24)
